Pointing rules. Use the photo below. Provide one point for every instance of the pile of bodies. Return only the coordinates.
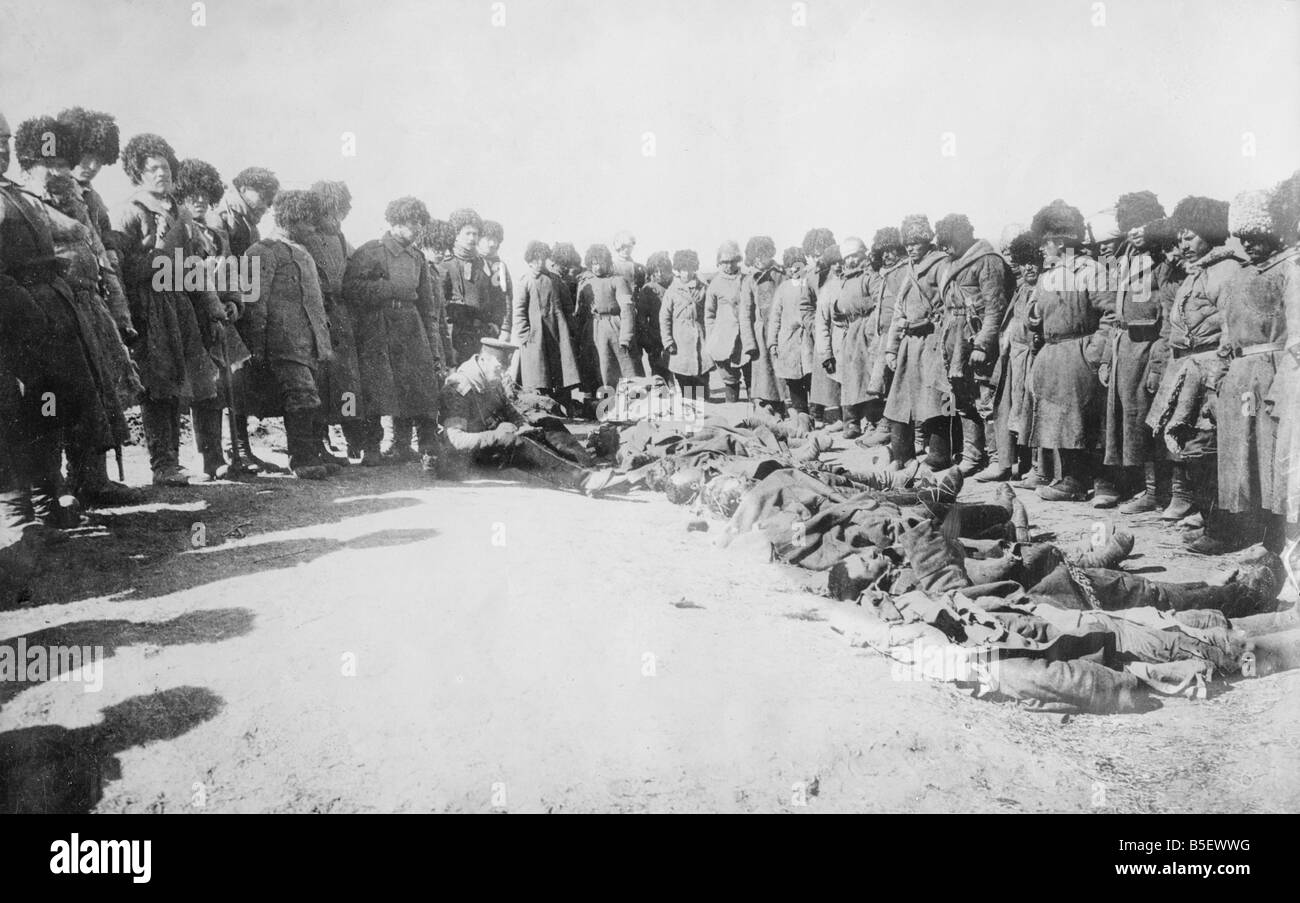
(958, 592)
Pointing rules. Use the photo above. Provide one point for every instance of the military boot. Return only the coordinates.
(304, 453)
(1181, 498)
(1145, 501)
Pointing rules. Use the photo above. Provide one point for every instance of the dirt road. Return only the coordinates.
(377, 643)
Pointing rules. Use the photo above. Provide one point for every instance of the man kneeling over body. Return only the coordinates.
(482, 427)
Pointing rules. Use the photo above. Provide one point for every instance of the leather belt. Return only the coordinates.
(1057, 339)
(1266, 348)
(920, 328)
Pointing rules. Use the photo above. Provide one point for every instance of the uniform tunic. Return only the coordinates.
(851, 318)
(472, 304)
(1253, 341)
(884, 288)
(681, 324)
(610, 317)
(974, 288)
(789, 330)
(548, 361)
(824, 388)
(399, 346)
(1285, 406)
(1015, 402)
(1076, 311)
(763, 380)
(1128, 355)
(340, 379)
(921, 390)
(730, 306)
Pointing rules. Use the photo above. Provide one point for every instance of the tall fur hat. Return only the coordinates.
(1058, 220)
(44, 139)
(142, 147)
(1285, 207)
(1206, 217)
(1023, 249)
(492, 229)
(599, 254)
(686, 260)
(952, 225)
(406, 211)
(729, 250)
(852, 245)
(198, 178)
(1137, 208)
(817, 240)
(916, 228)
(97, 133)
(759, 246)
(1160, 234)
(1249, 214)
(792, 255)
(537, 250)
(623, 239)
(335, 198)
(293, 208)
(659, 261)
(444, 237)
(887, 238)
(259, 179)
(566, 255)
(462, 217)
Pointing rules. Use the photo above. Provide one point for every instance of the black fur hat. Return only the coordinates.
(97, 133)
(659, 261)
(462, 217)
(335, 198)
(916, 229)
(791, 256)
(759, 246)
(599, 254)
(536, 250)
(686, 260)
(492, 229)
(888, 237)
(565, 255)
(263, 181)
(1285, 207)
(44, 139)
(198, 178)
(295, 208)
(142, 147)
(818, 240)
(1206, 217)
(1137, 208)
(1058, 220)
(1024, 250)
(407, 211)
(952, 225)
(1160, 234)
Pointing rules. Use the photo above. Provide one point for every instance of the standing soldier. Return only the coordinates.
(1125, 367)
(790, 334)
(541, 328)
(975, 284)
(729, 307)
(1182, 411)
(297, 337)
(920, 392)
(890, 260)
(1253, 345)
(760, 253)
(681, 326)
(634, 274)
(1073, 317)
(649, 301)
(467, 288)
(399, 342)
(1285, 209)
(174, 365)
(842, 336)
(250, 195)
(822, 254)
(1017, 347)
(609, 313)
(490, 237)
(339, 380)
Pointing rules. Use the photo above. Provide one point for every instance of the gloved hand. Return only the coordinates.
(671, 348)
(978, 357)
(829, 365)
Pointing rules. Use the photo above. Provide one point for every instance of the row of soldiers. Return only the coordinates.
(1076, 355)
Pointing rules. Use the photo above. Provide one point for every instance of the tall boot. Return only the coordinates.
(368, 434)
(1145, 501)
(545, 464)
(937, 565)
(206, 417)
(973, 452)
(1181, 499)
(47, 485)
(162, 435)
(304, 453)
(940, 447)
(1105, 492)
(731, 393)
(321, 431)
(901, 444)
(91, 485)
(251, 462)
(1069, 486)
(399, 446)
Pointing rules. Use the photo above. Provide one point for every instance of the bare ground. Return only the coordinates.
(379, 643)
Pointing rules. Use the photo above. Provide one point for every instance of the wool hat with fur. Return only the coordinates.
(1249, 214)
(916, 229)
(659, 261)
(294, 208)
(1285, 207)
(729, 250)
(1160, 235)
(791, 256)
(1023, 250)
(852, 245)
(599, 254)
(1207, 217)
(259, 179)
(462, 217)
(566, 255)
(335, 198)
(886, 238)
(536, 250)
(198, 179)
(686, 260)
(952, 226)
(97, 133)
(141, 148)
(1058, 220)
(759, 246)
(406, 211)
(1137, 208)
(492, 229)
(817, 240)
(44, 140)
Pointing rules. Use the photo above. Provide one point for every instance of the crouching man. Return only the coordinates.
(481, 427)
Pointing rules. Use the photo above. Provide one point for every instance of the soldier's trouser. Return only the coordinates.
(732, 373)
(870, 411)
(798, 389)
(363, 435)
(162, 432)
(1120, 589)
(657, 365)
(902, 441)
(206, 418)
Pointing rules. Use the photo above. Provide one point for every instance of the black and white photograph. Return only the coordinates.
(650, 406)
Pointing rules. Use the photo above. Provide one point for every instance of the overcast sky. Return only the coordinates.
(869, 111)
